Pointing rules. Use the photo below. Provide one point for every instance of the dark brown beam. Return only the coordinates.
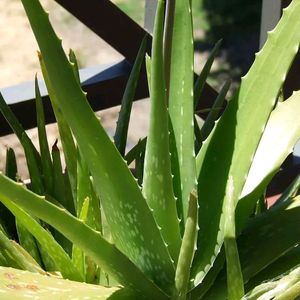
(101, 90)
(110, 23)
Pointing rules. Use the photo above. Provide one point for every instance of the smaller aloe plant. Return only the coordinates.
(191, 222)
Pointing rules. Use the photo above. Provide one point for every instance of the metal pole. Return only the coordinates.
(271, 12)
(150, 9)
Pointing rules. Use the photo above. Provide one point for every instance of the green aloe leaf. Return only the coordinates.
(58, 177)
(148, 70)
(187, 249)
(19, 285)
(266, 239)
(214, 112)
(274, 232)
(78, 257)
(157, 181)
(201, 80)
(7, 219)
(32, 156)
(235, 281)
(29, 258)
(282, 265)
(136, 151)
(43, 141)
(291, 191)
(230, 148)
(47, 242)
(181, 103)
(19, 259)
(88, 210)
(28, 242)
(285, 288)
(67, 141)
(74, 63)
(85, 190)
(120, 137)
(36, 182)
(91, 242)
(270, 154)
(129, 217)
(11, 169)
(17, 128)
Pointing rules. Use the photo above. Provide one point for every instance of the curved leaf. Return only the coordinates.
(131, 222)
(18, 285)
(54, 250)
(232, 145)
(181, 106)
(277, 142)
(106, 255)
(157, 181)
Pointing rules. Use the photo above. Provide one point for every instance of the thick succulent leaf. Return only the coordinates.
(74, 63)
(28, 242)
(88, 210)
(7, 219)
(291, 191)
(36, 182)
(285, 288)
(129, 217)
(167, 41)
(266, 239)
(17, 284)
(271, 235)
(66, 137)
(230, 148)
(8, 248)
(136, 151)
(181, 103)
(270, 154)
(58, 178)
(157, 180)
(77, 254)
(32, 156)
(235, 281)
(16, 126)
(62, 261)
(282, 265)
(85, 191)
(43, 141)
(271, 151)
(106, 255)
(201, 290)
(11, 169)
(187, 249)
(139, 167)
(120, 137)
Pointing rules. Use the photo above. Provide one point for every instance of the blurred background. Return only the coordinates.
(237, 25)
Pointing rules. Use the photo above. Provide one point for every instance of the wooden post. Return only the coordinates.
(271, 12)
(150, 9)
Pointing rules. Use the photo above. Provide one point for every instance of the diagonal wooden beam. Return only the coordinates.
(110, 23)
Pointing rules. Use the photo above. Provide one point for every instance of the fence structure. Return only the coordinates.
(125, 36)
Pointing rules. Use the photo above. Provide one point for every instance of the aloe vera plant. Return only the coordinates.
(185, 224)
